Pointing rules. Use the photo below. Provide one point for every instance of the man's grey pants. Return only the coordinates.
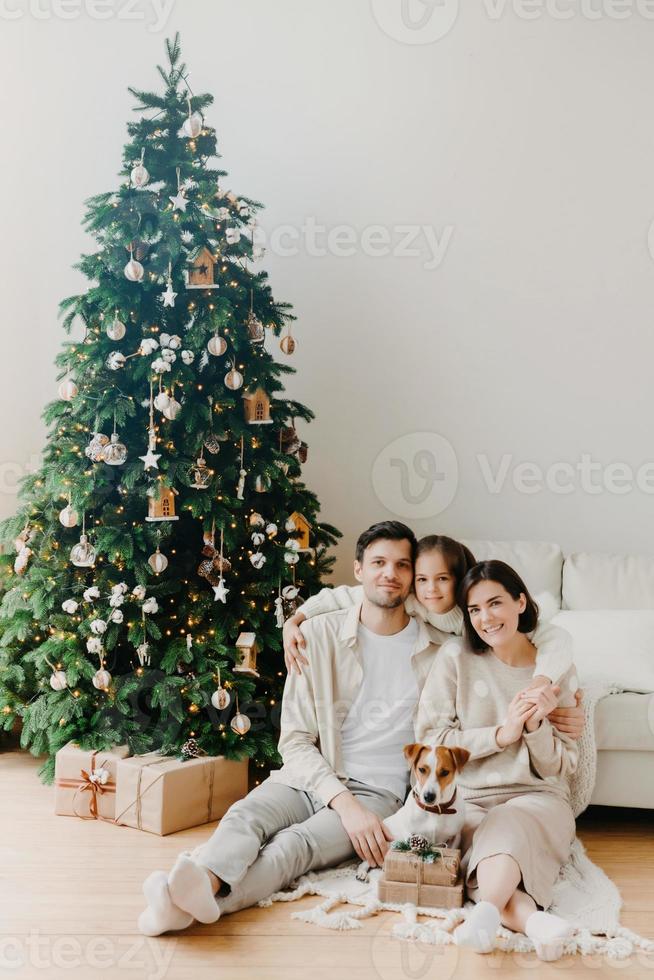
(277, 833)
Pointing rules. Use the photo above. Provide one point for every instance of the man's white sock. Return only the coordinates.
(479, 930)
(547, 932)
(161, 915)
(191, 890)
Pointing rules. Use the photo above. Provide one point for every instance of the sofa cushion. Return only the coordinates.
(594, 581)
(615, 646)
(539, 563)
(625, 721)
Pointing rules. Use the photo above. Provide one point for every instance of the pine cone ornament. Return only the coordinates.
(190, 749)
(418, 843)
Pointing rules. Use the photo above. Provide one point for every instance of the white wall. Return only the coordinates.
(529, 142)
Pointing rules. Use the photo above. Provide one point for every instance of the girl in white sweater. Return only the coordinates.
(519, 824)
(440, 565)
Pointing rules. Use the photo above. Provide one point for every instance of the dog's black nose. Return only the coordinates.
(429, 798)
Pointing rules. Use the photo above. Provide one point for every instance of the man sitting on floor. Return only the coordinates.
(344, 723)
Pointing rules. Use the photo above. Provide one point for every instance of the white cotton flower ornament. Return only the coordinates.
(139, 592)
(94, 644)
(98, 626)
(69, 606)
(150, 605)
(91, 593)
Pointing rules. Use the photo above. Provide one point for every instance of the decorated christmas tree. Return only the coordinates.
(168, 531)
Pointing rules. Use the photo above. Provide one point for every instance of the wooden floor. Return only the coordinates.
(70, 894)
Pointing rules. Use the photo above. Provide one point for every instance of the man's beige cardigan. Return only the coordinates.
(317, 701)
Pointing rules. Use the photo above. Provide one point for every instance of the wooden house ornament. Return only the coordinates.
(247, 648)
(257, 407)
(161, 505)
(303, 526)
(199, 274)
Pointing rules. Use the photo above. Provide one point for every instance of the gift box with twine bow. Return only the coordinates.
(161, 794)
(85, 781)
(423, 876)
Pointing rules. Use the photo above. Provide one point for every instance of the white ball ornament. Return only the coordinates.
(217, 345)
(101, 679)
(158, 562)
(221, 698)
(240, 724)
(68, 516)
(192, 125)
(68, 390)
(58, 681)
(116, 329)
(234, 380)
(172, 409)
(134, 271)
(161, 401)
(139, 175)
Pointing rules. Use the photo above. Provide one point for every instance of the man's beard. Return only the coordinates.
(387, 603)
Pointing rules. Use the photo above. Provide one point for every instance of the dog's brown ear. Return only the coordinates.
(411, 752)
(460, 756)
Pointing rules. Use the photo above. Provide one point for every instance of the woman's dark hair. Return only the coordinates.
(385, 531)
(503, 574)
(457, 557)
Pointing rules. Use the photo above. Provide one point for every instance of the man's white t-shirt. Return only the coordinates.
(380, 722)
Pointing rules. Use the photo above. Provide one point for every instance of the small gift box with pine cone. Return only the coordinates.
(416, 873)
(163, 794)
(85, 781)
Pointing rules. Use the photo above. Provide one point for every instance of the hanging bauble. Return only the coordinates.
(288, 344)
(258, 559)
(58, 681)
(201, 474)
(234, 380)
(83, 554)
(22, 560)
(212, 443)
(96, 447)
(172, 409)
(115, 453)
(221, 698)
(68, 390)
(262, 483)
(240, 724)
(255, 329)
(101, 679)
(158, 562)
(143, 653)
(192, 125)
(116, 360)
(161, 401)
(134, 271)
(68, 517)
(116, 329)
(139, 175)
(217, 345)
(256, 520)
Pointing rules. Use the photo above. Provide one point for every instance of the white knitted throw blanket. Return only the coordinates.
(583, 894)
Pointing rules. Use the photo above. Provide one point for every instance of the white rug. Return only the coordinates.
(583, 894)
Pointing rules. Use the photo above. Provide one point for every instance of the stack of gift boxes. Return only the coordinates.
(156, 793)
(422, 875)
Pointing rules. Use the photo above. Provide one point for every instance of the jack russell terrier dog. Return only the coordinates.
(432, 809)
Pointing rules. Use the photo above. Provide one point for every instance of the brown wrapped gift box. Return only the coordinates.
(428, 896)
(77, 792)
(162, 795)
(405, 866)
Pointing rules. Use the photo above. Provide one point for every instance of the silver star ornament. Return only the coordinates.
(220, 592)
(179, 201)
(169, 296)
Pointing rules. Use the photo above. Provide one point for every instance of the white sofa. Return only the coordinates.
(607, 604)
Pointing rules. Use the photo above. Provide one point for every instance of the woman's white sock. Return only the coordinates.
(547, 932)
(161, 915)
(479, 930)
(191, 890)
